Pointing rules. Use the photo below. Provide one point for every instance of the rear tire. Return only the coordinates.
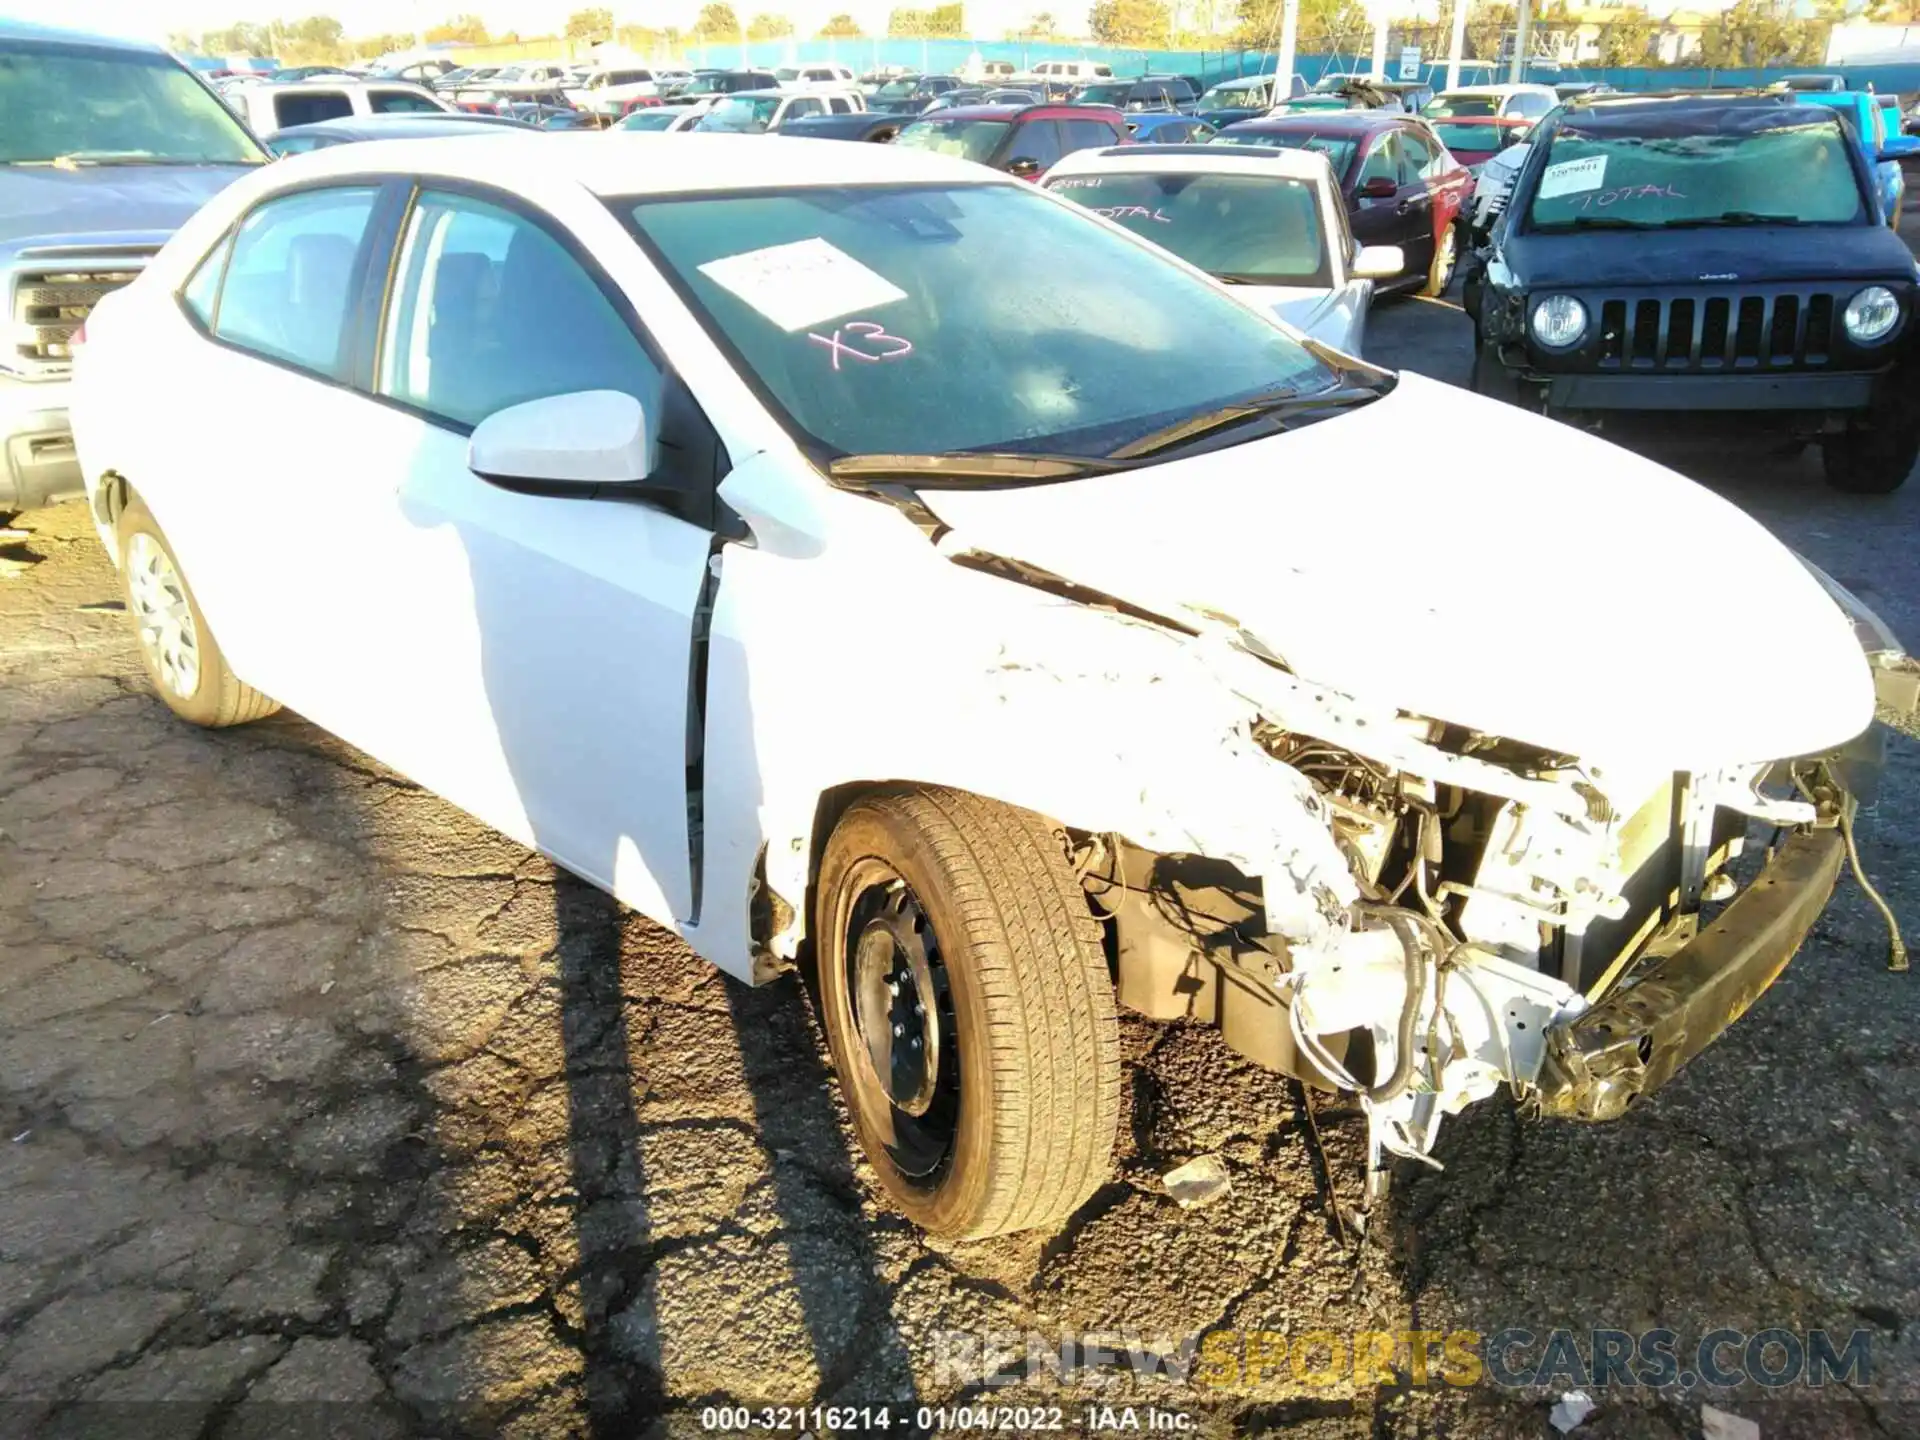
(946, 921)
(1870, 462)
(182, 658)
(1446, 256)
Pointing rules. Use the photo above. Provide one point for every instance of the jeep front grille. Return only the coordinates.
(51, 301)
(1719, 332)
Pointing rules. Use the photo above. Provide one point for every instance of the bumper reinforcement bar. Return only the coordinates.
(1637, 1038)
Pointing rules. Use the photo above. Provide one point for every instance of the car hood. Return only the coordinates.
(1598, 605)
(1309, 310)
(102, 203)
(1597, 259)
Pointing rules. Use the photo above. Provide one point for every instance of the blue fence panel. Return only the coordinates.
(951, 56)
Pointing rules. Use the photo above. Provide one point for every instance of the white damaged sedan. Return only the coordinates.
(850, 556)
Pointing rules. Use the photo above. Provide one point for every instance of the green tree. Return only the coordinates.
(941, 21)
(1488, 25)
(840, 27)
(1761, 32)
(1325, 25)
(1627, 36)
(370, 46)
(1042, 27)
(769, 27)
(591, 25)
(717, 22)
(1133, 24)
(458, 30)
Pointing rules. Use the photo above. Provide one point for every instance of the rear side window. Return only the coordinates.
(400, 102)
(290, 280)
(311, 108)
(1039, 140)
(490, 310)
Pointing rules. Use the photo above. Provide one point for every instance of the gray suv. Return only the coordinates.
(106, 147)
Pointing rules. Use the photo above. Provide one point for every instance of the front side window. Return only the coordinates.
(1383, 161)
(913, 319)
(81, 105)
(969, 139)
(1252, 229)
(1665, 170)
(1039, 141)
(490, 310)
(290, 281)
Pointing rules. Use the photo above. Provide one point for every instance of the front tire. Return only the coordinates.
(969, 1010)
(1870, 461)
(182, 658)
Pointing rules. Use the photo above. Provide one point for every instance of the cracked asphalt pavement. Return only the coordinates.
(325, 1111)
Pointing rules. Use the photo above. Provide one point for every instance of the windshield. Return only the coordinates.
(1232, 96)
(898, 89)
(740, 113)
(1337, 148)
(1256, 229)
(653, 119)
(937, 318)
(1659, 171)
(969, 139)
(1463, 105)
(1327, 84)
(1468, 137)
(1103, 94)
(97, 107)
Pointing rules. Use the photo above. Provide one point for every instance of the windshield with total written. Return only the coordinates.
(1249, 229)
(982, 330)
(80, 106)
(1751, 168)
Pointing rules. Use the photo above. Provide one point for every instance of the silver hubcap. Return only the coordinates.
(165, 620)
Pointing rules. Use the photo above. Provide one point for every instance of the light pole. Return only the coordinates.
(1289, 42)
(1456, 47)
(1522, 41)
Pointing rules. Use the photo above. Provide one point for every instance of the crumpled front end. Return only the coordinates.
(1485, 911)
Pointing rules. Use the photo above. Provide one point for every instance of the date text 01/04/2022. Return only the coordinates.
(1003, 1419)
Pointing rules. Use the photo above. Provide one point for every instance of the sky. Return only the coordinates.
(155, 19)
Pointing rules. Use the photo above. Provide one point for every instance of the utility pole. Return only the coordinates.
(1458, 45)
(1522, 42)
(1289, 42)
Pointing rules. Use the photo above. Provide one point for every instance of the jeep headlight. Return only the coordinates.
(1871, 315)
(1560, 321)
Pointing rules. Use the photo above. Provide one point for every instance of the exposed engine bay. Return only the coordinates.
(1482, 911)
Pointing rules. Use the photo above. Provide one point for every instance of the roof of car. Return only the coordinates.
(413, 124)
(1531, 88)
(605, 165)
(1009, 112)
(55, 34)
(1323, 122)
(1277, 161)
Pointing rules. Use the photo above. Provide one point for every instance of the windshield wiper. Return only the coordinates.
(1005, 466)
(1732, 217)
(1280, 404)
(1597, 222)
(74, 159)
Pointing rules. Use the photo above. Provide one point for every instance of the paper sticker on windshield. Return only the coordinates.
(802, 284)
(1571, 177)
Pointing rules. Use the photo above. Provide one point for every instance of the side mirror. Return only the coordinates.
(1025, 167)
(567, 445)
(1380, 187)
(1379, 262)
